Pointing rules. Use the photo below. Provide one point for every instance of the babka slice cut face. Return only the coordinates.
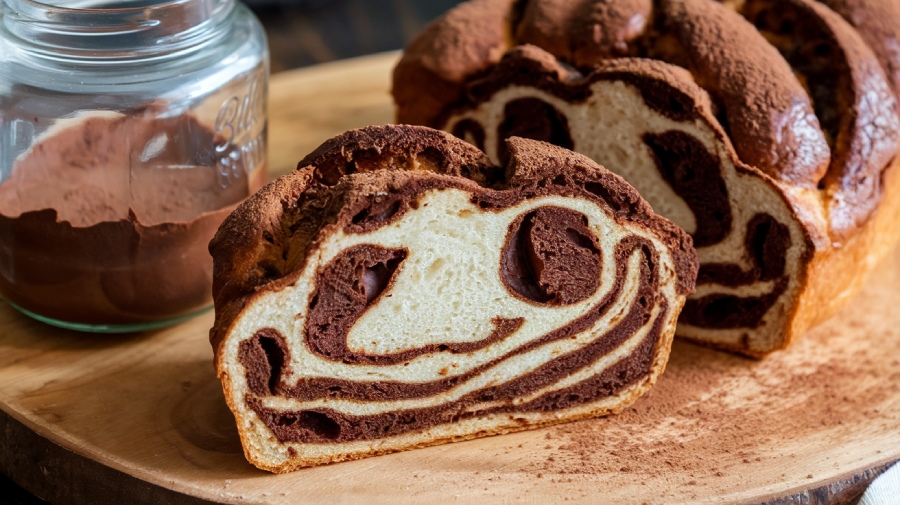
(427, 308)
(652, 123)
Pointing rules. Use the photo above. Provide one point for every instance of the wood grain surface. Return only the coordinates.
(141, 418)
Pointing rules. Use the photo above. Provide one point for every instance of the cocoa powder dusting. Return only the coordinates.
(713, 415)
(105, 220)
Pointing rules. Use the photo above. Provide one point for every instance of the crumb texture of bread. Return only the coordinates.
(768, 130)
(399, 291)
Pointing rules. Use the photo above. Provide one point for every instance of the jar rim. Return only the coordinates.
(112, 30)
(44, 6)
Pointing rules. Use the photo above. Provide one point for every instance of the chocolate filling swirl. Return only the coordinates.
(263, 354)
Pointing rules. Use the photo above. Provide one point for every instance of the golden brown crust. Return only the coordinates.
(836, 273)
(878, 23)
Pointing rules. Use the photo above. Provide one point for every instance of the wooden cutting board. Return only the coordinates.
(141, 418)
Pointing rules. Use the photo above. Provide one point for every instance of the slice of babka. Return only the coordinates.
(398, 291)
(768, 130)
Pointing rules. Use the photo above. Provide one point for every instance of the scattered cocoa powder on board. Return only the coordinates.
(712, 412)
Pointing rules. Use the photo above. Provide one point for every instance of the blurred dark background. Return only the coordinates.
(306, 32)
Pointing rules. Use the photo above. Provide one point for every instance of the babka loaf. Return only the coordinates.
(767, 129)
(398, 290)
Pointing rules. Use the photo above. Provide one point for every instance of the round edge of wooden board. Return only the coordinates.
(84, 480)
(77, 479)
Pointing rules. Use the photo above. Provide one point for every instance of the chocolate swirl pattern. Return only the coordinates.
(467, 311)
(764, 129)
(673, 151)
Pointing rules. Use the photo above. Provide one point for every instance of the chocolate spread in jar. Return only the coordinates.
(107, 217)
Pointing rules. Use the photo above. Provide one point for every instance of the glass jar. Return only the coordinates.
(129, 129)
